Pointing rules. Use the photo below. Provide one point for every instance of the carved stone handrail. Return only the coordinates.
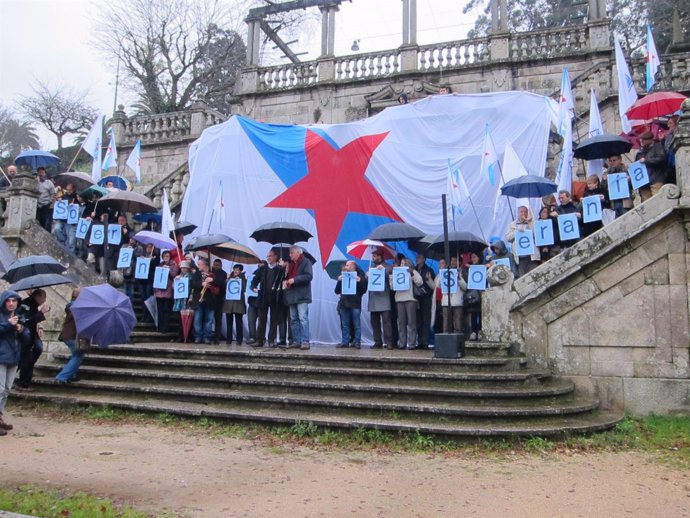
(175, 183)
(372, 64)
(160, 127)
(453, 54)
(548, 42)
(673, 74)
(288, 75)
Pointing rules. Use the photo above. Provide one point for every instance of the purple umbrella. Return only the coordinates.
(156, 239)
(104, 315)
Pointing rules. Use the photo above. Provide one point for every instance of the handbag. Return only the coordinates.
(421, 292)
(472, 298)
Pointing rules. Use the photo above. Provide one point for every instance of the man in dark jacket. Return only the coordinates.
(204, 296)
(219, 278)
(567, 206)
(32, 310)
(298, 296)
(653, 156)
(13, 337)
(425, 302)
(351, 307)
(267, 283)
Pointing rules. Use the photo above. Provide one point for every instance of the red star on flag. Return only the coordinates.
(336, 185)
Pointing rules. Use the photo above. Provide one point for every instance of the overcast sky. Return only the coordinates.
(49, 40)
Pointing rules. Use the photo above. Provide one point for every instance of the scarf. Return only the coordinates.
(292, 268)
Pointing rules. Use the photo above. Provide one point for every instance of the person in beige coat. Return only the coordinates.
(524, 222)
(453, 314)
(407, 308)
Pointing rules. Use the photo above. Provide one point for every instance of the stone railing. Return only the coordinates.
(673, 74)
(548, 42)
(453, 54)
(175, 183)
(374, 64)
(154, 128)
(289, 75)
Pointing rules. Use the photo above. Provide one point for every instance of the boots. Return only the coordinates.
(4, 426)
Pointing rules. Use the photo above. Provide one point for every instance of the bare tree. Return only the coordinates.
(172, 50)
(15, 136)
(61, 110)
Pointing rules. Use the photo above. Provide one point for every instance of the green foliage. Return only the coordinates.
(303, 429)
(50, 503)
(16, 136)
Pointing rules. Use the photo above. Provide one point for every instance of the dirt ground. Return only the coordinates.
(153, 468)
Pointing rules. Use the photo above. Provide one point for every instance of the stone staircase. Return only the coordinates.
(490, 392)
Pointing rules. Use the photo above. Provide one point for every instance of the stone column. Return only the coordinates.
(198, 122)
(331, 30)
(406, 22)
(494, 16)
(681, 147)
(413, 22)
(21, 203)
(256, 42)
(118, 123)
(250, 43)
(598, 34)
(503, 21)
(324, 30)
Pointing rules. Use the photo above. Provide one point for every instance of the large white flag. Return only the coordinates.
(490, 166)
(564, 177)
(652, 58)
(219, 208)
(512, 168)
(110, 159)
(458, 193)
(595, 167)
(566, 103)
(93, 145)
(626, 88)
(134, 161)
(167, 222)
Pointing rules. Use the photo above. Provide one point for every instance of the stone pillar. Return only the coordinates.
(249, 80)
(598, 35)
(681, 147)
(21, 203)
(408, 59)
(250, 43)
(331, 30)
(406, 22)
(503, 17)
(496, 304)
(413, 22)
(256, 42)
(118, 123)
(597, 10)
(198, 122)
(494, 16)
(500, 46)
(324, 30)
(326, 69)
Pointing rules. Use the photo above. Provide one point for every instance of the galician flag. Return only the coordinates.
(134, 161)
(458, 193)
(595, 167)
(167, 222)
(93, 145)
(626, 88)
(652, 59)
(512, 168)
(110, 159)
(219, 207)
(490, 165)
(566, 103)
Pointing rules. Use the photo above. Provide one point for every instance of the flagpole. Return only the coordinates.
(69, 167)
(500, 172)
(479, 223)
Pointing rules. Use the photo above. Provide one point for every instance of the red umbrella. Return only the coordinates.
(186, 318)
(362, 249)
(656, 104)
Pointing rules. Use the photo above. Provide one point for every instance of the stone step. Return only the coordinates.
(295, 366)
(486, 390)
(464, 426)
(351, 404)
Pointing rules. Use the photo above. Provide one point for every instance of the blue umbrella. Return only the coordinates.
(93, 192)
(145, 217)
(156, 239)
(529, 186)
(118, 182)
(104, 315)
(35, 158)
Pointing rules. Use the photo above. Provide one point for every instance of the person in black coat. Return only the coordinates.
(351, 307)
(32, 310)
(267, 283)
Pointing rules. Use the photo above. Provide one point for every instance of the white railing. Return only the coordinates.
(453, 54)
(161, 127)
(288, 75)
(548, 42)
(373, 64)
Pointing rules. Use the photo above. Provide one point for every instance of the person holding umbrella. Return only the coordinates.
(14, 336)
(46, 197)
(68, 335)
(33, 311)
(653, 156)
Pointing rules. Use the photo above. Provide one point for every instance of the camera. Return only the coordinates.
(22, 319)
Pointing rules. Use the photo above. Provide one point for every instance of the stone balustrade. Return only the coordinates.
(673, 74)
(374, 64)
(288, 75)
(548, 42)
(156, 128)
(453, 54)
(175, 184)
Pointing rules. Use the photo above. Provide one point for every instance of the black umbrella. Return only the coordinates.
(40, 281)
(207, 241)
(184, 227)
(602, 146)
(283, 252)
(281, 232)
(459, 242)
(529, 186)
(7, 256)
(32, 265)
(396, 231)
(335, 268)
(127, 201)
(80, 181)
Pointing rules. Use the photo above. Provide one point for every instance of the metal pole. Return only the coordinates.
(446, 246)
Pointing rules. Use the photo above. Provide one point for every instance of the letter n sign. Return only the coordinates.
(591, 208)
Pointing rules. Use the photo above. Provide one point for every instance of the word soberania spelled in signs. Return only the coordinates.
(401, 278)
(233, 289)
(476, 277)
(377, 279)
(348, 283)
(181, 288)
(449, 281)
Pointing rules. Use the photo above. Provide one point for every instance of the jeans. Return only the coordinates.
(71, 236)
(203, 324)
(7, 374)
(59, 232)
(69, 371)
(299, 322)
(351, 316)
